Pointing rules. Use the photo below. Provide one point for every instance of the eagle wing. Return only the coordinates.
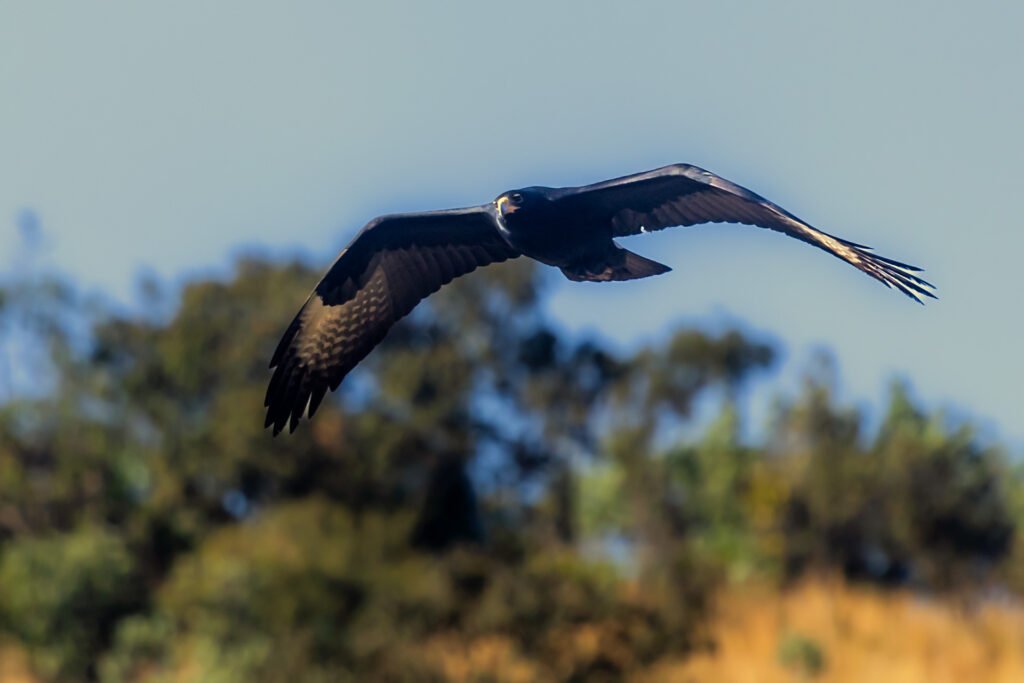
(682, 194)
(391, 265)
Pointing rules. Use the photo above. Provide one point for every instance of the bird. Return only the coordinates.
(397, 260)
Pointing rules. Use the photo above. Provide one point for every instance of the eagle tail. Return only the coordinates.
(622, 264)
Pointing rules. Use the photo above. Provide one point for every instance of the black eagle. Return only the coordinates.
(395, 261)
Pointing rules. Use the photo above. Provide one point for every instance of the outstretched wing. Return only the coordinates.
(391, 265)
(682, 194)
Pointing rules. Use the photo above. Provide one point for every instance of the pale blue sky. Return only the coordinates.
(166, 136)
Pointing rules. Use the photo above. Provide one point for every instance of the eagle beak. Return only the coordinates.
(505, 206)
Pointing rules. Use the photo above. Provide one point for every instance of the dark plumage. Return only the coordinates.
(397, 260)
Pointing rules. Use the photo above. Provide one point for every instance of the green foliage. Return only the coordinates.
(306, 590)
(922, 501)
(302, 588)
(717, 476)
(602, 508)
(802, 655)
(62, 595)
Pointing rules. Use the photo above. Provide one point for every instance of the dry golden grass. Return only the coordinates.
(14, 665)
(862, 635)
(492, 658)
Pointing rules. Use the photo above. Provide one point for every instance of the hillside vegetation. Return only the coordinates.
(487, 498)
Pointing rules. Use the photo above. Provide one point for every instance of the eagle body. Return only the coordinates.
(550, 227)
(397, 260)
(538, 228)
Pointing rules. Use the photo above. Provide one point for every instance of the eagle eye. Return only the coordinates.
(516, 198)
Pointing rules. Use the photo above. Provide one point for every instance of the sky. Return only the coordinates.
(166, 138)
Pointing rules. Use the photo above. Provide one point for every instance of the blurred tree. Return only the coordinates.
(63, 595)
(717, 479)
(948, 496)
(921, 502)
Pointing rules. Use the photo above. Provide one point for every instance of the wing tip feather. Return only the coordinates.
(895, 274)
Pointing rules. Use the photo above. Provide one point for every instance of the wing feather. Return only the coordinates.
(681, 195)
(391, 265)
